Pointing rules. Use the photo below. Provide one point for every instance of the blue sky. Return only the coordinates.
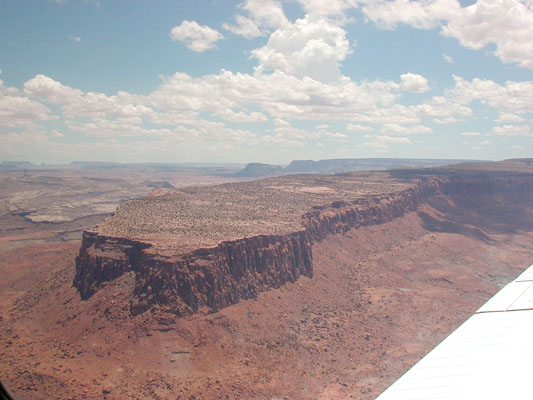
(268, 81)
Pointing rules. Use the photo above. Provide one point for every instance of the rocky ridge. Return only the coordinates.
(208, 279)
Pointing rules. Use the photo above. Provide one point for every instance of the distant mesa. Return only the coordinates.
(253, 170)
(527, 161)
(215, 169)
(339, 165)
(334, 166)
(95, 164)
(16, 164)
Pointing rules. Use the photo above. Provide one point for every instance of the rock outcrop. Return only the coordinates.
(208, 279)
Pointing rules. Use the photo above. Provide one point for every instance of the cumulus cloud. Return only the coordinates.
(21, 112)
(446, 120)
(200, 110)
(444, 107)
(76, 103)
(382, 142)
(512, 130)
(113, 128)
(418, 14)
(54, 92)
(513, 97)
(510, 118)
(312, 48)
(282, 96)
(281, 123)
(262, 17)
(196, 37)
(414, 83)
(244, 27)
(240, 116)
(358, 128)
(506, 24)
(405, 130)
(229, 96)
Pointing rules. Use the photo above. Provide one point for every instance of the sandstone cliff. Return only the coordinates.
(209, 279)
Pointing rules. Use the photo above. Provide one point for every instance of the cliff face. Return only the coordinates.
(211, 279)
(207, 279)
(214, 278)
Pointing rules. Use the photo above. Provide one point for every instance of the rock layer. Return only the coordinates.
(209, 279)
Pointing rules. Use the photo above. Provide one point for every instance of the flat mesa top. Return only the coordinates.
(180, 221)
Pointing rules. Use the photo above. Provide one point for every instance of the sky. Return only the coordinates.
(265, 80)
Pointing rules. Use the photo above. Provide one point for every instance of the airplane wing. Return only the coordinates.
(488, 357)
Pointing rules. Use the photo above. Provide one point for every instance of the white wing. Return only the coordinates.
(488, 357)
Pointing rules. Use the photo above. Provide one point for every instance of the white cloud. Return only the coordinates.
(53, 91)
(182, 108)
(446, 120)
(75, 39)
(266, 13)
(405, 130)
(444, 107)
(75, 103)
(240, 116)
(244, 27)
(312, 48)
(21, 112)
(55, 134)
(510, 118)
(448, 58)
(506, 24)
(279, 140)
(263, 16)
(321, 8)
(419, 14)
(514, 98)
(358, 128)
(512, 130)
(282, 96)
(382, 142)
(195, 36)
(285, 130)
(334, 135)
(113, 128)
(471, 134)
(296, 133)
(281, 123)
(414, 83)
